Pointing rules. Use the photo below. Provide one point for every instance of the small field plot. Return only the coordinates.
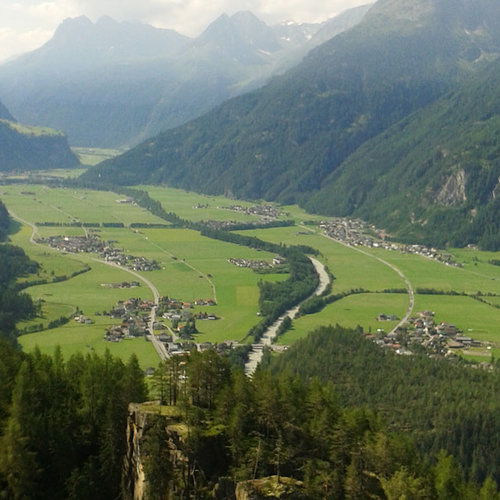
(198, 267)
(197, 207)
(351, 268)
(74, 338)
(52, 263)
(42, 204)
(477, 320)
(93, 156)
(425, 273)
(86, 292)
(362, 309)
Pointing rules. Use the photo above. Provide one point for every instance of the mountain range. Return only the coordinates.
(111, 84)
(322, 133)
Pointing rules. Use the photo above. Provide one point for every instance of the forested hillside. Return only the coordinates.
(284, 141)
(438, 404)
(433, 176)
(33, 148)
(14, 263)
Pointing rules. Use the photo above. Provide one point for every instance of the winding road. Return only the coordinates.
(409, 288)
(159, 346)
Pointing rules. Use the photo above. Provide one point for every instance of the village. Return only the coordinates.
(105, 249)
(263, 211)
(356, 232)
(258, 265)
(423, 335)
(177, 336)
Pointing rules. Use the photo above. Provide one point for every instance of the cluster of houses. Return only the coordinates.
(105, 250)
(359, 233)
(258, 265)
(424, 334)
(183, 348)
(116, 256)
(74, 244)
(179, 312)
(83, 320)
(134, 315)
(123, 284)
(264, 211)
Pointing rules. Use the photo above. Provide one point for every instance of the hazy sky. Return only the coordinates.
(27, 24)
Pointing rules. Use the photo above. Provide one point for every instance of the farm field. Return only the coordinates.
(37, 203)
(351, 269)
(352, 311)
(185, 204)
(425, 273)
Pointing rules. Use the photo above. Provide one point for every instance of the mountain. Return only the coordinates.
(286, 141)
(113, 84)
(433, 176)
(33, 148)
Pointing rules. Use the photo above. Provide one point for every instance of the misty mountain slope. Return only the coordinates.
(434, 176)
(113, 84)
(282, 141)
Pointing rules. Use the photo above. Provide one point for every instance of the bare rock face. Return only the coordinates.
(453, 190)
(270, 488)
(133, 476)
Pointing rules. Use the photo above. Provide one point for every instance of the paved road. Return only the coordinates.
(34, 229)
(159, 346)
(255, 355)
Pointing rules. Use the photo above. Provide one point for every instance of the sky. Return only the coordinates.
(27, 24)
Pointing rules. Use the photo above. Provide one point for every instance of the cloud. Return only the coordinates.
(13, 43)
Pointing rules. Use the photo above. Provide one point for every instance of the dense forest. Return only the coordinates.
(296, 431)
(30, 148)
(441, 404)
(4, 221)
(13, 264)
(63, 431)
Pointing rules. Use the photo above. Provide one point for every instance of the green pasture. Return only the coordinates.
(86, 291)
(52, 262)
(73, 338)
(93, 156)
(361, 309)
(351, 268)
(37, 203)
(184, 203)
(190, 267)
(426, 273)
